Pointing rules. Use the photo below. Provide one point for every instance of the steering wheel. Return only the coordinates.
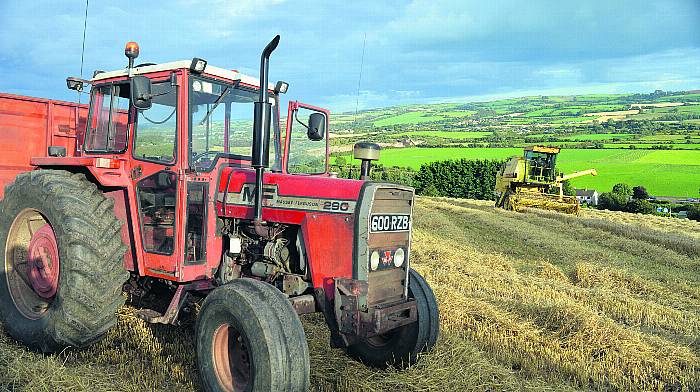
(201, 155)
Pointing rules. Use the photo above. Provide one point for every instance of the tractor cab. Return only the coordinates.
(172, 128)
(195, 114)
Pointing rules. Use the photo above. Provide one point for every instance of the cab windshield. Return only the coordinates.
(221, 123)
(541, 166)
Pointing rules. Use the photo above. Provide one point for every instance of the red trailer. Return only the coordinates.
(160, 184)
(30, 125)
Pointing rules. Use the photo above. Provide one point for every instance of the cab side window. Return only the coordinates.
(156, 128)
(306, 155)
(109, 119)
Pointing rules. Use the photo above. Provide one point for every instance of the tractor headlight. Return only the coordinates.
(198, 65)
(281, 87)
(74, 84)
(374, 261)
(399, 257)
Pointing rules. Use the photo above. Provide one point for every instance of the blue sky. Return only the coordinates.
(416, 51)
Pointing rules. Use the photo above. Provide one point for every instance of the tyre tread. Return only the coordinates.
(91, 251)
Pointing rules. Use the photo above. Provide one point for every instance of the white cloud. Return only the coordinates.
(346, 103)
(417, 51)
(232, 8)
(222, 19)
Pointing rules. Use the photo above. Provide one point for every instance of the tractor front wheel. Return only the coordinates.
(249, 338)
(401, 347)
(62, 274)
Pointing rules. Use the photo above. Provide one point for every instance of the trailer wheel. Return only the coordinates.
(249, 338)
(400, 348)
(62, 272)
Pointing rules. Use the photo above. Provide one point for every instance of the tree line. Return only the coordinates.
(463, 178)
(636, 200)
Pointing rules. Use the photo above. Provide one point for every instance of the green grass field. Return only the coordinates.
(566, 120)
(447, 134)
(415, 157)
(407, 118)
(599, 136)
(679, 146)
(662, 137)
(458, 113)
(418, 117)
(662, 172)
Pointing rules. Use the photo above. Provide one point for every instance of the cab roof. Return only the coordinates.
(544, 149)
(171, 66)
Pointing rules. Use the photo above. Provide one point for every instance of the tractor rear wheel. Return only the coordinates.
(62, 273)
(249, 338)
(401, 347)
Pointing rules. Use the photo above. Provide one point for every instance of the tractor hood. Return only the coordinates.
(286, 198)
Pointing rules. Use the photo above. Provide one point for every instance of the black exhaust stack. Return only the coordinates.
(261, 128)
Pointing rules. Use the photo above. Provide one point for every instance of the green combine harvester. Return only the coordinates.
(528, 181)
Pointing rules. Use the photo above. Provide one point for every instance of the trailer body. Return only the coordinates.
(28, 126)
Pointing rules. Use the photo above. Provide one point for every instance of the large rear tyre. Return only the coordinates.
(400, 348)
(62, 273)
(249, 338)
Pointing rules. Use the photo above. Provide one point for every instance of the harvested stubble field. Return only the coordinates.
(528, 301)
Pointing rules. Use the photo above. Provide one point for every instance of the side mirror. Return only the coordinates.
(141, 92)
(317, 127)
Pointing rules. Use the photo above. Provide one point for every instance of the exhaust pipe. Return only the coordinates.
(261, 128)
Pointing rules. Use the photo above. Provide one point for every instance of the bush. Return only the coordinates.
(398, 175)
(472, 179)
(430, 190)
(639, 192)
(612, 201)
(637, 206)
(694, 212)
(619, 200)
(622, 189)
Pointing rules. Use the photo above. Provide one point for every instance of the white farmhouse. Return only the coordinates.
(588, 196)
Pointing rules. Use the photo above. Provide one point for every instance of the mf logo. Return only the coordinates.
(269, 193)
(387, 259)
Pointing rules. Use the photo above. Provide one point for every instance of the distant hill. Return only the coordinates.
(555, 111)
(659, 134)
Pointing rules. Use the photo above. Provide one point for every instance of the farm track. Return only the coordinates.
(529, 301)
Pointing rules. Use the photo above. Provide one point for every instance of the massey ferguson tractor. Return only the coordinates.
(167, 179)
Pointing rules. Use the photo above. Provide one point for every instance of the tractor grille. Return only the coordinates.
(385, 286)
(389, 219)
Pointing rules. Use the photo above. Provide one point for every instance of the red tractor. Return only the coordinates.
(160, 182)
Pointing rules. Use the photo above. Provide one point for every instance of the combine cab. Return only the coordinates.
(528, 181)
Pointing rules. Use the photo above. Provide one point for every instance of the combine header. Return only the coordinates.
(528, 181)
(178, 179)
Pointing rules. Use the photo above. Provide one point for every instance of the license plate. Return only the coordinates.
(382, 223)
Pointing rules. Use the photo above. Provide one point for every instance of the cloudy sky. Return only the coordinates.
(416, 51)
